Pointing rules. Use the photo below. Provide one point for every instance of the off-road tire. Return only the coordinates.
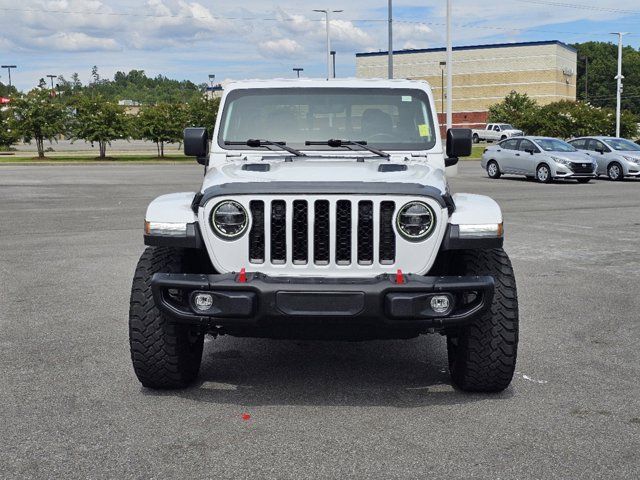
(164, 354)
(497, 173)
(482, 355)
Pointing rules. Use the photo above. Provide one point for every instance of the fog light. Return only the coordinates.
(440, 303)
(203, 301)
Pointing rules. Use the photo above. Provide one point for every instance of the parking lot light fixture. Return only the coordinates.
(9, 67)
(327, 14)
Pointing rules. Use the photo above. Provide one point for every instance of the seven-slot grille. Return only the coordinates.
(322, 232)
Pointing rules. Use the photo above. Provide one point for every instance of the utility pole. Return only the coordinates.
(586, 78)
(449, 68)
(619, 78)
(390, 39)
(9, 67)
(327, 14)
(298, 70)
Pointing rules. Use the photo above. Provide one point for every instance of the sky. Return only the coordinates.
(185, 39)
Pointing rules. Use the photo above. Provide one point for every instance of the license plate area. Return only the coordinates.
(320, 304)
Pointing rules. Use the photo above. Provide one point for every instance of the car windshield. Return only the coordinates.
(506, 126)
(384, 118)
(554, 145)
(622, 145)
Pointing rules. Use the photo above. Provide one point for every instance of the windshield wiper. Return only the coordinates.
(334, 143)
(254, 142)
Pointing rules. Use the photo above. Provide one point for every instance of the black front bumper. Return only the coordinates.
(258, 300)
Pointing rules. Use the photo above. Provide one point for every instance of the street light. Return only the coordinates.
(9, 67)
(442, 65)
(328, 20)
(298, 70)
(333, 60)
(51, 77)
(449, 68)
(619, 78)
(390, 57)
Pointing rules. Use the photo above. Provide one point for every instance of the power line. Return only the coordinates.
(581, 6)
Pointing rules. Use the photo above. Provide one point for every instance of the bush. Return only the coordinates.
(563, 119)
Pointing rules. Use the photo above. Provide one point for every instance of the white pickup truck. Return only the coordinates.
(494, 132)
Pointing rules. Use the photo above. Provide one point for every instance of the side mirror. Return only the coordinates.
(459, 143)
(196, 144)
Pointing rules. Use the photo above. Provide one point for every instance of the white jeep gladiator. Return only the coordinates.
(325, 213)
(494, 132)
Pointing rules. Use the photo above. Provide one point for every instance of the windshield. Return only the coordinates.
(384, 118)
(554, 145)
(622, 145)
(506, 126)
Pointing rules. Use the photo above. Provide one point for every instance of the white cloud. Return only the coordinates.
(285, 47)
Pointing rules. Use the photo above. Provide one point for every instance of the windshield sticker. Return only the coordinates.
(407, 98)
(423, 130)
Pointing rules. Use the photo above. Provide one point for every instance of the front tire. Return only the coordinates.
(482, 355)
(615, 172)
(476, 138)
(543, 173)
(493, 170)
(164, 354)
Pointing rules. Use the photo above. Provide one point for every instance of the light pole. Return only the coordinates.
(390, 73)
(619, 78)
(442, 65)
(9, 67)
(212, 77)
(333, 63)
(449, 68)
(51, 77)
(327, 14)
(298, 70)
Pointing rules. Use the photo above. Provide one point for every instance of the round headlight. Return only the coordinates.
(229, 220)
(415, 221)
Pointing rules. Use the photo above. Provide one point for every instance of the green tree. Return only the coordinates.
(517, 109)
(162, 123)
(99, 121)
(563, 119)
(202, 112)
(8, 135)
(599, 76)
(37, 116)
(7, 91)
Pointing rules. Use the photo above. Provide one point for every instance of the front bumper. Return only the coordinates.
(258, 300)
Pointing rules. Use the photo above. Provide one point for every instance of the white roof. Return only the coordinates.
(323, 82)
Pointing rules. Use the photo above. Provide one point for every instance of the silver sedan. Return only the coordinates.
(542, 158)
(616, 157)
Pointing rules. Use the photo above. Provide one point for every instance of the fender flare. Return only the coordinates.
(173, 208)
(472, 210)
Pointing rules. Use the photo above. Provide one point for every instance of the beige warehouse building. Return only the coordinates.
(483, 74)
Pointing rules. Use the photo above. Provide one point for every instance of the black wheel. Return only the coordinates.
(614, 171)
(164, 354)
(476, 138)
(583, 180)
(503, 137)
(493, 170)
(482, 355)
(543, 173)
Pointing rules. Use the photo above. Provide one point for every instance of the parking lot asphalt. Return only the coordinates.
(71, 407)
